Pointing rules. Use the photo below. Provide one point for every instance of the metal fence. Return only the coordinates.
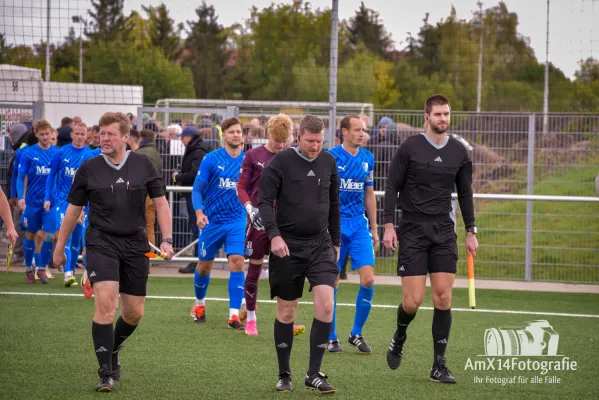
(506, 251)
(520, 240)
(540, 240)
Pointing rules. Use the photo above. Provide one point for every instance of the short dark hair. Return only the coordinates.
(147, 135)
(435, 100)
(229, 122)
(134, 133)
(151, 126)
(311, 123)
(66, 121)
(346, 122)
(96, 128)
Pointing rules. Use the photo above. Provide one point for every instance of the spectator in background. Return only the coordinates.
(76, 120)
(383, 153)
(143, 143)
(379, 135)
(17, 135)
(176, 148)
(254, 122)
(263, 121)
(64, 132)
(54, 137)
(96, 142)
(67, 121)
(90, 135)
(195, 150)
(257, 136)
(63, 136)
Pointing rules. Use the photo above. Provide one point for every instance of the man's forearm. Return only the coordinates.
(68, 224)
(164, 216)
(371, 209)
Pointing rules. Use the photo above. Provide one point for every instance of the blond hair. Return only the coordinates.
(41, 124)
(280, 127)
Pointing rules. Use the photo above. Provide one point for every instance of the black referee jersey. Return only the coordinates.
(425, 175)
(116, 193)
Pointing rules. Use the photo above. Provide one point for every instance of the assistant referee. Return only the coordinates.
(305, 236)
(424, 171)
(115, 184)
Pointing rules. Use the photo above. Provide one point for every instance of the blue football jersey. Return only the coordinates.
(220, 173)
(35, 162)
(355, 174)
(15, 171)
(63, 166)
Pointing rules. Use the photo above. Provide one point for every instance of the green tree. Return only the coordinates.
(107, 21)
(366, 27)
(163, 31)
(588, 72)
(207, 53)
(287, 37)
(118, 62)
(5, 49)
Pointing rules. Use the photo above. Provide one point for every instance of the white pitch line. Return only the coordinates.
(478, 310)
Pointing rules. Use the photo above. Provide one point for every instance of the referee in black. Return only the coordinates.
(305, 236)
(115, 184)
(424, 171)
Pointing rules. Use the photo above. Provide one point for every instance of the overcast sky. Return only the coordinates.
(572, 34)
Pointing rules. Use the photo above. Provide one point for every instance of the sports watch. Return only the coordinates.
(472, 230)
(168, 240)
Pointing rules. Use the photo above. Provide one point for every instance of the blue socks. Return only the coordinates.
(38, 261)
(236, 289)
(333, 334)
(46, 252)
(201, 285)
(28, 249)
(363, 306)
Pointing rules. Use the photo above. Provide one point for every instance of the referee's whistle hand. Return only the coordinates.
(279, 247)
(390, 238)
(59, 258)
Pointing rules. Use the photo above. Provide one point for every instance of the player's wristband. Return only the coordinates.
(248, 208)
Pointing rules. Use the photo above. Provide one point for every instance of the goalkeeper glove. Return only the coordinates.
(255, 217)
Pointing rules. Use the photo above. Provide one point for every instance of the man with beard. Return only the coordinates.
(221, 219)
(424, 171)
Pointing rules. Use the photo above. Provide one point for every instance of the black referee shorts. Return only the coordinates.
(427, 244)
(120, 259)
(314, 259)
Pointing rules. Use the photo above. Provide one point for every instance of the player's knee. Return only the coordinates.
(203, 268)
(286, 313)
(105, 312)
(326, 307)
(133, 317)
(442, 299)
(236, 263)
(367, 282)
(411, 302)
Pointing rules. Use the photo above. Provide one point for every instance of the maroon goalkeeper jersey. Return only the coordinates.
(252, 167)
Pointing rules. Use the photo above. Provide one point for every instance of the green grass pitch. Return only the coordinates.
(47, 351)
